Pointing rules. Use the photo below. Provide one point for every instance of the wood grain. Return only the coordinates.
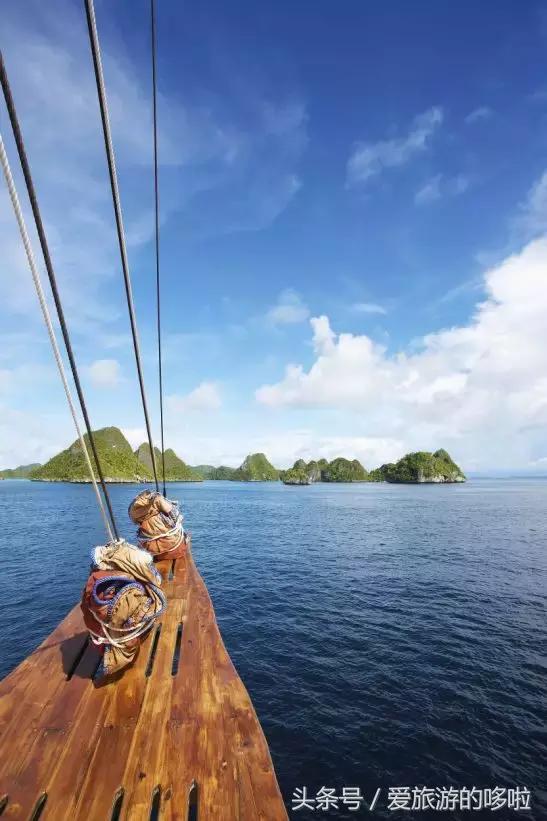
(81, 745)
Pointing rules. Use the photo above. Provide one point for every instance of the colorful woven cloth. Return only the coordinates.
(160, 525)
(120, 601)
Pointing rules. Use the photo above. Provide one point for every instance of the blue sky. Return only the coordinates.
(354, 227)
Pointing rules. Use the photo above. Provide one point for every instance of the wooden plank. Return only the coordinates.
(203, 741)
(81, 743)
(140, 777)
(99, 749)
(56, 725)
(111, 749)
(24, 692)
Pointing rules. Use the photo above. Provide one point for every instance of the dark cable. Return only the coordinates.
(156, 201)
(101, 91)
(51, 276)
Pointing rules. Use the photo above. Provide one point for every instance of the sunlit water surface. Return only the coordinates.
(388, 635)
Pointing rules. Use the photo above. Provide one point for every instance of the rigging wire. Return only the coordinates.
(101, 91)
(53, 282)
(156, 206)
(47, 318)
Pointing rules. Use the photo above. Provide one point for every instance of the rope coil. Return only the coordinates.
(128, 633)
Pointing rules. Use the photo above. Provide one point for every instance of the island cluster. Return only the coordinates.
(121, 463)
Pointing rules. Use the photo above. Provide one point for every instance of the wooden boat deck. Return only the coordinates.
(173, 737)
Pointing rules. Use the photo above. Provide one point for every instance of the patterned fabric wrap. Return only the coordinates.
(120, 601)
(160, 525)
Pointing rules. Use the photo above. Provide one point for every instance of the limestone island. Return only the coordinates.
(119, 462)
(255, 468)
(415, 468)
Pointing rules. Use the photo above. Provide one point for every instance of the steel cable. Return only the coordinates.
(101, 91)
(157, 225)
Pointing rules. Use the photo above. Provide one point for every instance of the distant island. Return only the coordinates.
(175, 469)
(421, 467)
(339, 470)
(20, 472)
(120, 463)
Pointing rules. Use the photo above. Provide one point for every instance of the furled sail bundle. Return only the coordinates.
(120, 602)
(160, 525)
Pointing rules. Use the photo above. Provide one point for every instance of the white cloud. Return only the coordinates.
(289, 309)
(539, 463)
(463, 288)
(27, 437)
(283, 448)
(105, 373)
(439, 186)
(429, 192)
(63, 138)
(481, 387)
(368, 160)
(205, 397)
(237, 157)
(136, 436)
(368, 308)
(532, 218)
(479, 114)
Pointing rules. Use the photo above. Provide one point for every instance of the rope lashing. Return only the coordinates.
(157, 226)
(160, 525)
(128, 634)
(176, 530)
(19, 142)
(47, 318)
(101, 92)
(120, 602)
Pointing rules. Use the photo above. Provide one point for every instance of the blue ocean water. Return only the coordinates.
(389, 635)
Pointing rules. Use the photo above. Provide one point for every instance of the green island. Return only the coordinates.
(120, 463)
(175, 469)
(20, 472)
(415, 468)
(420, 468)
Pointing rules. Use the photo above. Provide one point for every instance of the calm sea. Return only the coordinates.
(388, 635)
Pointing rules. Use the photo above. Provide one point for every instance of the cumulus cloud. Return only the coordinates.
(441, 186)
(368, 159)
(205, 397)
(289, 309)
(480, 386)
(478, 115)
(105, 373)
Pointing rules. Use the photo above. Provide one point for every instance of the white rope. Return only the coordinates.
(176, 529)
(47, 318)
